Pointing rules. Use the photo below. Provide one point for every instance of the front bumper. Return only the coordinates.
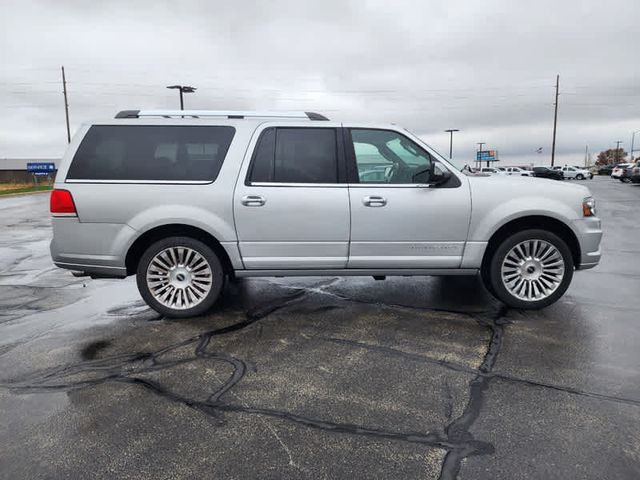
(589, 233)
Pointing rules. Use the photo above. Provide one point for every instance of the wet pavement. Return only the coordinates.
(322, 377)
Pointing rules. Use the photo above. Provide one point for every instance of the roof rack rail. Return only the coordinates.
(217, 113)
(128, 114)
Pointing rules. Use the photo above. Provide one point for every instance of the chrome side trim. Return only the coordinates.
(390, 185)
(358, 272)
(146, 182)
(315, 185)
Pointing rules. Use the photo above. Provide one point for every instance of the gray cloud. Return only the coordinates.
(487, 68)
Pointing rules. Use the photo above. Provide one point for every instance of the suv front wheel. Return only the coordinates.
(180, 277)
(530, 269)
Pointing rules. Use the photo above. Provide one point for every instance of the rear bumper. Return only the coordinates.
(589, 233)
(93, 270)
(95, 248)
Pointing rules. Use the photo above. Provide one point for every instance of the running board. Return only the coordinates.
(359, 272)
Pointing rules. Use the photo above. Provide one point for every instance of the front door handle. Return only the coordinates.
(374, 201)
(253, 201)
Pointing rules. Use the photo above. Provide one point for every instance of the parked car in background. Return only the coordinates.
(635, 172)
(574, 172)
(518, 171)
(619, 170)
(606, 169)
(546, 172)
(491, 171)
(627, 173)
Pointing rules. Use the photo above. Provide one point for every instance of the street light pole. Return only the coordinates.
(450, 131)
(182, 89)
(633, 134)
(479, 162)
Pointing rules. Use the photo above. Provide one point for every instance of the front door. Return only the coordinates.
(291, 203)
(396, 221)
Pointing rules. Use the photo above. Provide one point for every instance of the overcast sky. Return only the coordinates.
(485, 67)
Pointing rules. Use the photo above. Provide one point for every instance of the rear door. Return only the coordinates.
(291, 203)
(396, 221)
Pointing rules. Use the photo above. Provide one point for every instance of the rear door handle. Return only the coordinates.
(253, 201)
(374, 201)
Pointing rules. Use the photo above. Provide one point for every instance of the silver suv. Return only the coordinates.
(182, 199)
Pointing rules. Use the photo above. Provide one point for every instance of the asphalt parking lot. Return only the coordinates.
(323, 378)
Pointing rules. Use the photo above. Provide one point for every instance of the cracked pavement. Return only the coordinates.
(319, 377)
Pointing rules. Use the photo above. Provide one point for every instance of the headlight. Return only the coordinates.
(589, 207)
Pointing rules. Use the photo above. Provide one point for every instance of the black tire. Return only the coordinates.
(204, 304)
(495, 266)
(579, 177)
(485, 275)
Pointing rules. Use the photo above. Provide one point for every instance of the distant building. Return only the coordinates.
(14, 170)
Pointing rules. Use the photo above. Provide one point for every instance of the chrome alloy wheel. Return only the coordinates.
(532, 270)
(179, 278)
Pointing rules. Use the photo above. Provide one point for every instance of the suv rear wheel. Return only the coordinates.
(530, 269)
(180, 277)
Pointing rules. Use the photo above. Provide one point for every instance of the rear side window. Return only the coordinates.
(146, 152)
(295, 155)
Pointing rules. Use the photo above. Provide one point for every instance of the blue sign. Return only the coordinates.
(42, 168)
(487, 156)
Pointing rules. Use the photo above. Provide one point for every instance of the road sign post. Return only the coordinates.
(487, 156)
(41, 169)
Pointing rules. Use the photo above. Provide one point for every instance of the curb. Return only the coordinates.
(20, 194)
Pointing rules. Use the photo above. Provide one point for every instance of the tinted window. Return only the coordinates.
(144, 152)
(385, 156)
(296, 155)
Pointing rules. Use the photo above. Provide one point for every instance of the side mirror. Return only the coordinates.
(439, 176)
(431, 176)
(423, 177)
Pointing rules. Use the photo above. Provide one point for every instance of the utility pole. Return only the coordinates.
(618, 142)
(450, 131)
(66, 104)
(555, 122)
(480, 144)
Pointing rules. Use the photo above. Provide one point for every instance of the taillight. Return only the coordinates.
(62, 203)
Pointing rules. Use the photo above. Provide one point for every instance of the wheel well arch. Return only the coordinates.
(539, 222)
(144, 241)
